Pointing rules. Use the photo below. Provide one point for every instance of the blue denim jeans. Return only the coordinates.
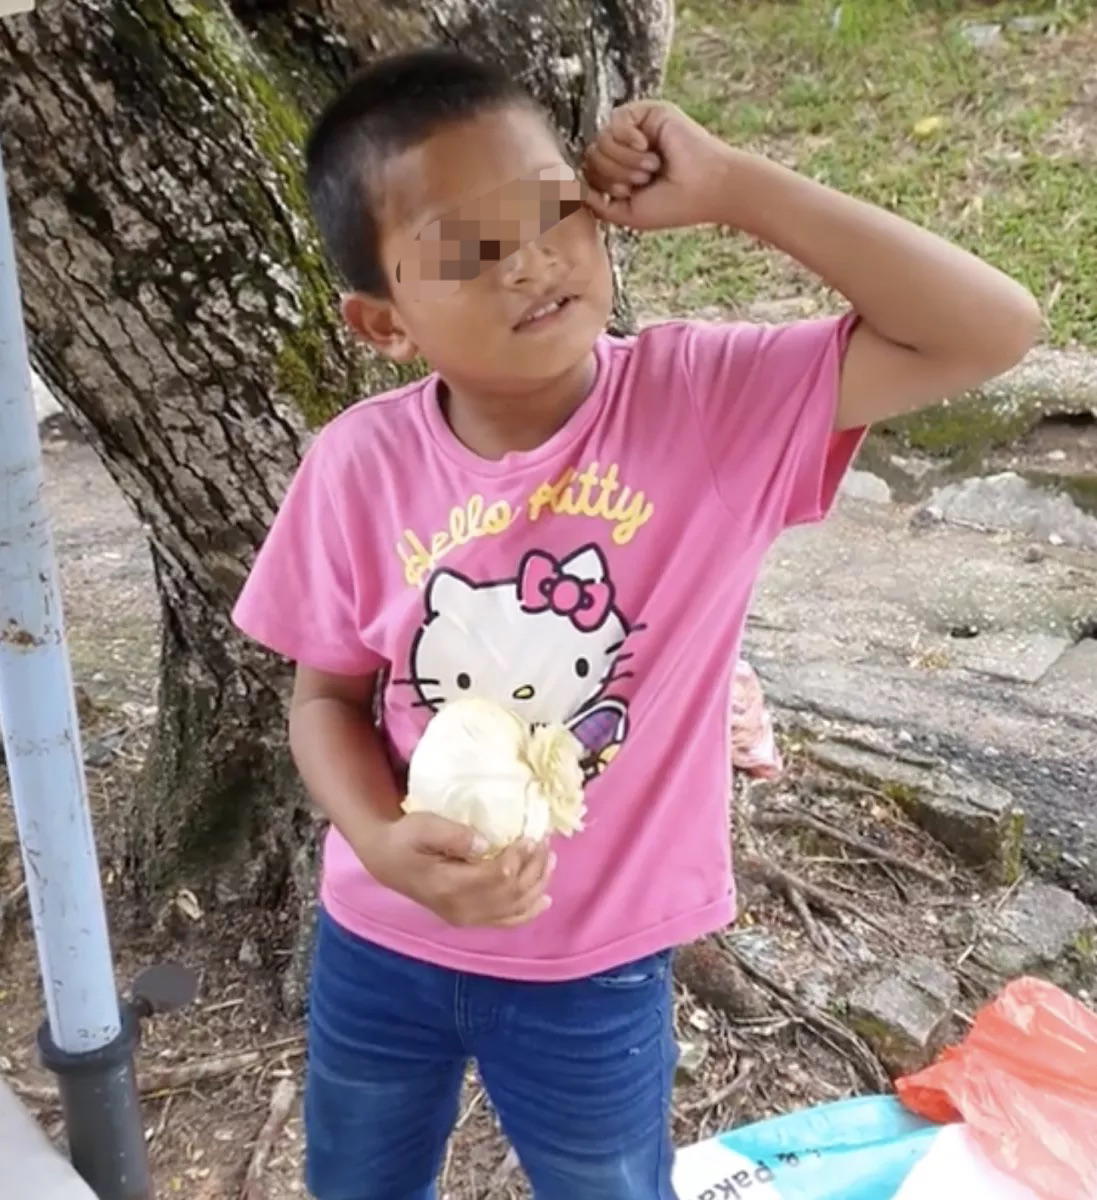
(579, 1073)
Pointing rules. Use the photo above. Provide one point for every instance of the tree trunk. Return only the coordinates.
(179, 306)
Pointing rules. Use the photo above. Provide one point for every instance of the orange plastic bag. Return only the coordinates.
(1025, 1083)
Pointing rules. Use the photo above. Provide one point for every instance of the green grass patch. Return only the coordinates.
(889, 100)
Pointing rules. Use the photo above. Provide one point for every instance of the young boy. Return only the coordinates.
(569, 524)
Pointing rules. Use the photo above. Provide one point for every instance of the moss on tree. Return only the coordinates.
(259, 92)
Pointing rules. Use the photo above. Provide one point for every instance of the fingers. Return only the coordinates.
(621, 152)
(613, 167)
(626, 158)
(525, 870)
(613, 210)
(513, 859)
(626, 121)
(537, 870)
(508, 890)
(636, 165)
(621, 157)
(619, 163)
(448, 839)
(528, 899)
(536, 908)
(604, 175)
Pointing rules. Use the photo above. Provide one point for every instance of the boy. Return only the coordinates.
(569, 524)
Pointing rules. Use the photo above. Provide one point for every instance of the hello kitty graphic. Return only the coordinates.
(548, 643)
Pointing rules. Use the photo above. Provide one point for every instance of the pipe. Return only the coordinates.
(87, 1038)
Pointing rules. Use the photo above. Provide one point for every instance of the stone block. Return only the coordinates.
(863, 485)
(1012, 655)
(903, 1010)
(1042, 930)
(1078, 665)
(1008, 501)
(978, 821)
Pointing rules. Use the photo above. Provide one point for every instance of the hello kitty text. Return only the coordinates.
(589, 493)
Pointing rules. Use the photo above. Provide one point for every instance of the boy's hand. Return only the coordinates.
(437, 864)
(653, 167)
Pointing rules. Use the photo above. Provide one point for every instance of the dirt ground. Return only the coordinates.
(211, 1072)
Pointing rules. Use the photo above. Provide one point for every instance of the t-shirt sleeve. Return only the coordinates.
(307, 594)
(766, 398)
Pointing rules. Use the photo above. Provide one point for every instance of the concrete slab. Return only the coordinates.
(860, 621)
(1006, 501)
(29, 1164)
(1022, 657)
(863, 485)
(1077, 666)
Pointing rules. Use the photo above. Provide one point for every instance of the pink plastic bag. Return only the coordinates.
(1024, 1081)
(753, 746)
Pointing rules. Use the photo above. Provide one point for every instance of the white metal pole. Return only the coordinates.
(38, 715)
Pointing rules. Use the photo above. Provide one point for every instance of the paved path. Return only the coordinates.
(957, 642)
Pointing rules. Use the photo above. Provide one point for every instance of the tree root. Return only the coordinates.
(170, 1079)
(281, 1102)
(716, 980)
(777, 879)
(793, 819)
(853, 1048)
(802, 909)
(713, 1100)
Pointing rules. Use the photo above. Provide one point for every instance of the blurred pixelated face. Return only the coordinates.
(499, 272)
(485, 231)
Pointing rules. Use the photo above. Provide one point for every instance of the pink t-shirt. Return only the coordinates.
(601, 580)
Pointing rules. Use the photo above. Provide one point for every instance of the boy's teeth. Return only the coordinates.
(544, 311)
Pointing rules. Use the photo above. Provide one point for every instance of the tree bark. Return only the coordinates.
(179, 306)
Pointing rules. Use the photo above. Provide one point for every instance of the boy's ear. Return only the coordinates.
(376, 321)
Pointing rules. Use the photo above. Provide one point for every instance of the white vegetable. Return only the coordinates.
(481, 765)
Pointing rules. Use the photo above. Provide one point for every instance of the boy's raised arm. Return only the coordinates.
(935, 320)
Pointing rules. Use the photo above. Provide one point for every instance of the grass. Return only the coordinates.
(889, 100)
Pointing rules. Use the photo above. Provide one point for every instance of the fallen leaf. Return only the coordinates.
(187, 903)
(928, 126)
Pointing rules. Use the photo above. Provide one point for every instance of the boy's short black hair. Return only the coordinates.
(391, 106)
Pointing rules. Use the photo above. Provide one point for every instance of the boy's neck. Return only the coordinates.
(493, 424)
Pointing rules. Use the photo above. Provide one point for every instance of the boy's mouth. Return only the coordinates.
(544, 312)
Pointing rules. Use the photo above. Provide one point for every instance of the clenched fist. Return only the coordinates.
(652, 167)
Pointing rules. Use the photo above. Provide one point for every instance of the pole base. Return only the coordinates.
(103, 1113)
